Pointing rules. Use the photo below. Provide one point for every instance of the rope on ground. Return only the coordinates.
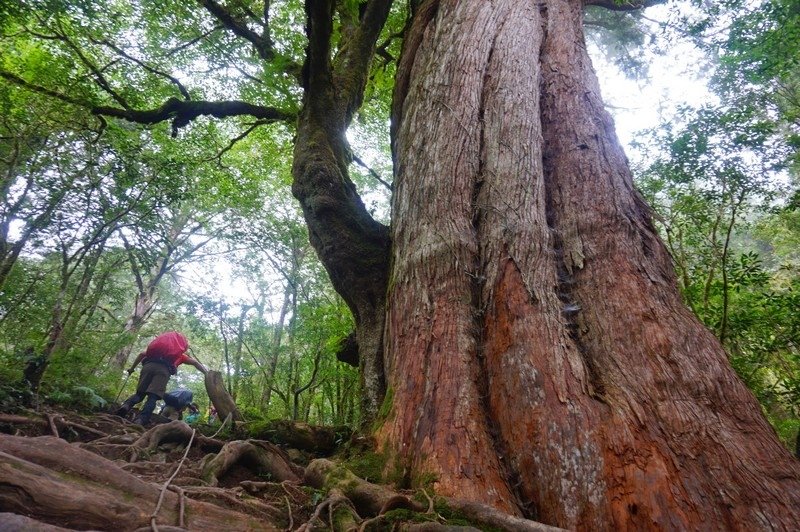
(227, 418)
(291, 519)
(166, 485)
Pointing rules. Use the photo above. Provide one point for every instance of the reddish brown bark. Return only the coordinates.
(538, 355)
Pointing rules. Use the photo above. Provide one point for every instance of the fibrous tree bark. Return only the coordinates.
(220, 398)
(538, 355)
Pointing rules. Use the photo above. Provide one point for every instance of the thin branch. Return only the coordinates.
(16, 80)
(97, 72)
(137, 274)
(147, 67)
(382, 49)
(373, 173)
(192, 42)
(236, 139)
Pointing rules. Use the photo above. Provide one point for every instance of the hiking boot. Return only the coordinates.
(143, 421)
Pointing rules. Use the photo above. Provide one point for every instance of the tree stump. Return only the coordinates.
(220, 398)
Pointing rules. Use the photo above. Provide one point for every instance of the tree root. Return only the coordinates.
(74, 486)
(174, 431)
(305, 437)
(52, 421)
(488, 516)
(375, 500)
(127, 439)
(56, 482)
(10, 522)
(369, 499)
(259, 457)
(287, 486)
(341, 513)
(154, 516)
(250, 506)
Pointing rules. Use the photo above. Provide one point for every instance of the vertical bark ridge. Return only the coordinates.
(683, 439)
(483, 258)
(537, 377)
(432, 341)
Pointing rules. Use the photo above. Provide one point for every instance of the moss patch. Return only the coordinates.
(453, 517)
(368, 465)
(385, 411)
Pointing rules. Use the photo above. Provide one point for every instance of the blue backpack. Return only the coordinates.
(178, 399)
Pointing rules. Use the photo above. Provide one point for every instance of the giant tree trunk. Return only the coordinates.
(538, 355)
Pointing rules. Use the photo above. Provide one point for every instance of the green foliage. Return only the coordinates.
(622, 38)
(13, 396)
(80, 398)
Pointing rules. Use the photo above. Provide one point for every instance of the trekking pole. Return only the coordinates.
(122, 387)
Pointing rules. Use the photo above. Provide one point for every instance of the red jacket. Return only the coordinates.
(169, 347)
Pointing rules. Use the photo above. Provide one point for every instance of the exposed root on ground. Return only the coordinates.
(172, 432)
(170, 477)
(369, 499)
(262, 458)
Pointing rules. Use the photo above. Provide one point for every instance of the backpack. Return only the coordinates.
(178, 399)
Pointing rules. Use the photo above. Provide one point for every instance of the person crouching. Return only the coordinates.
(159, 361)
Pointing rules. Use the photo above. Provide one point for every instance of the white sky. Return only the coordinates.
(676, 78)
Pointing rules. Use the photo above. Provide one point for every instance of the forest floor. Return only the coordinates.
(62, 470)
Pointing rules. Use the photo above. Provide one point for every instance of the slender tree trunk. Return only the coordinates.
(288, 296)
(65, 315)
(538, 355)
(237, 354)
(142, 308)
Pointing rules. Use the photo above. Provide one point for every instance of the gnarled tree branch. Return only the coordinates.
(624, 5)
(183, 112)
(352, 245)
(351, 68)
(261, 43)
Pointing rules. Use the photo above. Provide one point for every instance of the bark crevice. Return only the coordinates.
(479, 276)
